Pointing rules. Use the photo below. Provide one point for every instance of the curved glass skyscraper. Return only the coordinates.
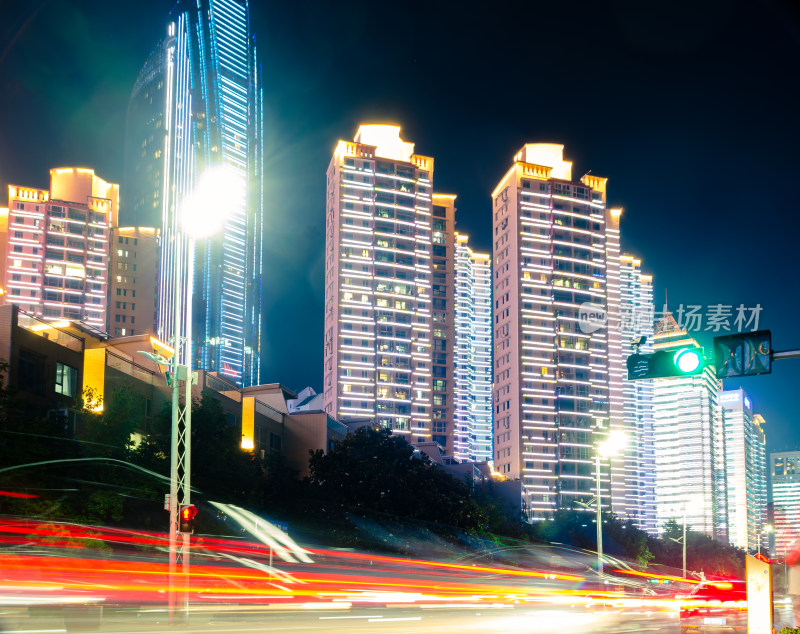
(205, 80)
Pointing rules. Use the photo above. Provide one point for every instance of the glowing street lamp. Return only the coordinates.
(205, 211)
(768, 529)
(612, 445)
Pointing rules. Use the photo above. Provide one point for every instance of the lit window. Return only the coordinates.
(66, 379)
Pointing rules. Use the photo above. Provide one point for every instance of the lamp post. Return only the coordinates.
(684, 541)
(201, 214)
(766, 530)
(695, 501)
(614, 442)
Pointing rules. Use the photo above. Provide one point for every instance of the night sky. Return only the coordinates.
(689, 108)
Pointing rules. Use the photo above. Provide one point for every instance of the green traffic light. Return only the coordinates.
(687, 360)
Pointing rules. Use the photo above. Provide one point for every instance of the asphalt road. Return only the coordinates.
(388, 620)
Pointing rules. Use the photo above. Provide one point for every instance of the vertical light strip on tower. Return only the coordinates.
(178, 177)
(615, 366)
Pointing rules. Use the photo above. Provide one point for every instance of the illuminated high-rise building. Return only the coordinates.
(689, 443)
(637, 314)
(143, 176)
(443, 328)
(745, 469)
(197, 105)
(472, 353)
(557, 366)
(57, 246)
(377, 357)
(785, 489)
(761, 480)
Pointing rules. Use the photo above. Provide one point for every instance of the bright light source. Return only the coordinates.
(614, 442)
(218, 191)
(687, 359)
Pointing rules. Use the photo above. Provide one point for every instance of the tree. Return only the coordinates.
(221, 469)
(702, 552)
(376, 471)
(111, 431)
(620, 538)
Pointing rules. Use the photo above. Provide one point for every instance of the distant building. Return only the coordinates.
(785, 485)
(307, 400)
(557, 374)
(133, 276)
(57, 246)
(145, 143)
(304, 429)
(689, 443)
(745, 470)
(377, 337)
(3, 245)
(472, 354)
(637, 314)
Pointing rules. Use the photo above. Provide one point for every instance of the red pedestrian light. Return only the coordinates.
(188, 513)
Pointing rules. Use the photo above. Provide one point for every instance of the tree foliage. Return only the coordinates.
(621, 538)
(702, 553)
(220, 468)
(374, 471)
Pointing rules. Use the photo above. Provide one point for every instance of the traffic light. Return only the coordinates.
(743, 354)
(686, 361)
(186, 518)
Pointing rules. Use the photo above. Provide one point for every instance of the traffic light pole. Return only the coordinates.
(181, 448)
(786, 354)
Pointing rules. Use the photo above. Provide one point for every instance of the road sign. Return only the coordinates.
(743, 354)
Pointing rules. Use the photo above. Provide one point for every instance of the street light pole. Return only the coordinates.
(203, 212)
(684, 541)
(174, 446)
(599, 517)
(615, 441)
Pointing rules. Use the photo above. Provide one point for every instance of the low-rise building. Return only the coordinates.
(53, 365)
